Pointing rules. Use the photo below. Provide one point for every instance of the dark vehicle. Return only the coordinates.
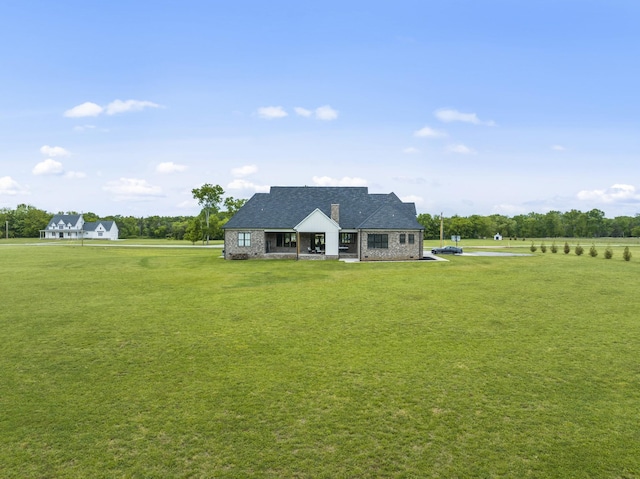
(447, 250)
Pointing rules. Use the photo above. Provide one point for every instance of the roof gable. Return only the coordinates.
(391, 217)
(65, 220)
(73, 219)
(316, 221)
(95, 225)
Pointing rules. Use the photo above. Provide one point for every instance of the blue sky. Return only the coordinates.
(464, 107)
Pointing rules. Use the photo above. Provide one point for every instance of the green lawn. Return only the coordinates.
(167, 362)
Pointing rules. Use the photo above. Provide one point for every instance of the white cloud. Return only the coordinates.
(411, 150)
(85, 109)
(188, 204)
(558, 147)
(617, 193)
(132, 188)
(460, 149)
(326, 113)
(428, 132)
(418, 200)
(509, 210)
(271, 112)
(54, 151)
(170, 167)
(48, 167)
(84, 127)
(244, 170)
(416, 180)
(9, 186)
(119, 106)
(344, 181)
(303, 111)
(75, 175)
(448, 116)
(240, 184)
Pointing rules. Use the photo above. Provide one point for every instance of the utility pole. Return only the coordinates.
(441, 230)
(6, 225)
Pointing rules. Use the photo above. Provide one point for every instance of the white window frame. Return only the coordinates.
(244, 239)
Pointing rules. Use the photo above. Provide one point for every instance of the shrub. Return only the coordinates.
(543, 248)
(533, 247)
(579, 250)
(593, 252)
(608, 252)
(626, 254)
(554, 247)
(567, 250)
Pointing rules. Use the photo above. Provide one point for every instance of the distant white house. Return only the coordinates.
(498, 237)
(75, 227)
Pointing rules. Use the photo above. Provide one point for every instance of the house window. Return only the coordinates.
(99, 233)
(288, 240)
(403, 238)
(244, 239)
(347, 238)
(378, 241)
(412, 238)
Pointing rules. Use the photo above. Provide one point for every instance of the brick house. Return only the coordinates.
(311, 222)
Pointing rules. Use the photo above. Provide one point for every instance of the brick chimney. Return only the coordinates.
(335, 213)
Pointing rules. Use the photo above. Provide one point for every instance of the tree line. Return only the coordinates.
(26, 221)
(554, 224)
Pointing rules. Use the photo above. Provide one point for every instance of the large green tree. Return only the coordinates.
(29, 220)
(233, 205)
(209, 198)
(431, 225)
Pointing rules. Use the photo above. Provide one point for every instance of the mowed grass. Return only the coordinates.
(160, 362)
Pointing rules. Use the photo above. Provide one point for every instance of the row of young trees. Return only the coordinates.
(26, 221)
(570, 224)
(579, 250)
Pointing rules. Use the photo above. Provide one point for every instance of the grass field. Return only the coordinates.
(167, 362)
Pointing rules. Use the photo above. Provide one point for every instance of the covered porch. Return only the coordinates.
(61, 234)
(310, 245)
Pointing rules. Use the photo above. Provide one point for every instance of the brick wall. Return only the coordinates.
(256, 250)
(395, 250)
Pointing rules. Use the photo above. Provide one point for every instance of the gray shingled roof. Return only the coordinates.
(66, 219)
(285, 206)
(92, 225)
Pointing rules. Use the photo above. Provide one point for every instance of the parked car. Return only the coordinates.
(447, 250)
